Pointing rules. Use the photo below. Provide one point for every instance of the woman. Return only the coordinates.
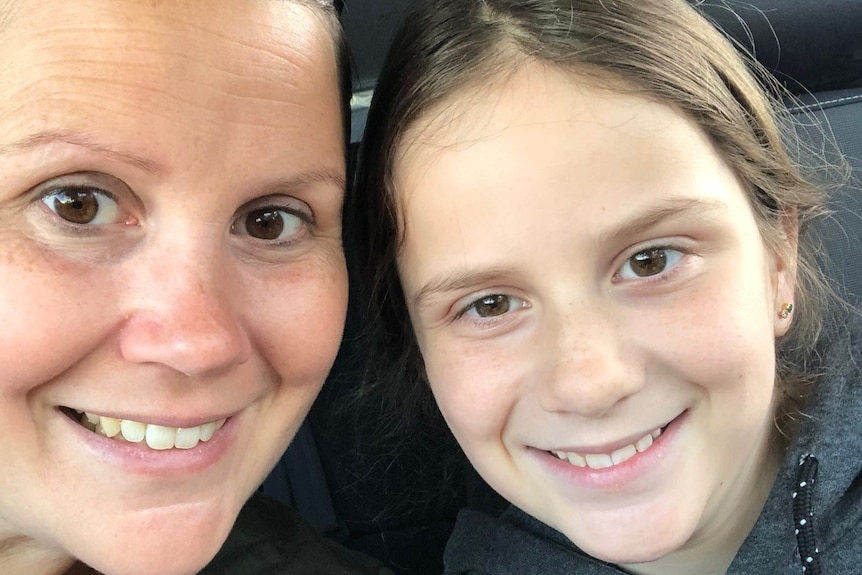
(173, 285)
(586, 211)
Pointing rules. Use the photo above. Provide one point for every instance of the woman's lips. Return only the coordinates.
(152, 449)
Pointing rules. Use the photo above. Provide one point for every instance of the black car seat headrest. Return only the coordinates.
(809, 45)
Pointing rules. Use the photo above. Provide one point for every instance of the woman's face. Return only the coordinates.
(171, 179)
(596, 310)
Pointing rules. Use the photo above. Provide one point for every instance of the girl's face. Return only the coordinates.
(596, 310)
(171, 180)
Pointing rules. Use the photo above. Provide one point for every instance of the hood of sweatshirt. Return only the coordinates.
(811, 522)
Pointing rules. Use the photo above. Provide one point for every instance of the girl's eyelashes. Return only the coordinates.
(492, 306)
(650, 262)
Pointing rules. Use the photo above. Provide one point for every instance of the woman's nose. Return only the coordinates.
(589, 369)
(184, 316)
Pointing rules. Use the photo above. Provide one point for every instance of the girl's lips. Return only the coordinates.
(139, 458)
(604, 472)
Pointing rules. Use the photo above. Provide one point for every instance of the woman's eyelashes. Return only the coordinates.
(280, 225)
(83, 206)
(86, 203)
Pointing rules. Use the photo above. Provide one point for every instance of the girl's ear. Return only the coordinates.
(785, 259)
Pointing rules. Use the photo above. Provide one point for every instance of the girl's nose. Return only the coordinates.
(589, 371)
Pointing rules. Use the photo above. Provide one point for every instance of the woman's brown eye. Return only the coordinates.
(649, 262)
(265, 224)
(82, 206)
(269, 224)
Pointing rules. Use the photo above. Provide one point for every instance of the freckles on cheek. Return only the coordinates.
(50, 311)
(472, 393)
(298, 320)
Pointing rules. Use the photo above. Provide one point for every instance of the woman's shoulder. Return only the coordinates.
(269, 538)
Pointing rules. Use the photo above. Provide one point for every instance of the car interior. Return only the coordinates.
(399, 504)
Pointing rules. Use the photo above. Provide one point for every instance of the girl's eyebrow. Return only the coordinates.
(652, 215)
(458, 280)
(82, 140)
(698, 208)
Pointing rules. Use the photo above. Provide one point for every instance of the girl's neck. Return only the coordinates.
(20, 554)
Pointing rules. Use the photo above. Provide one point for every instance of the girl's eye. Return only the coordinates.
(494, 305)
(269, 224)
(650, 262)
(82, 205)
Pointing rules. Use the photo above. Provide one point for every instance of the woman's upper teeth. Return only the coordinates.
(156, 436)
(605, 460)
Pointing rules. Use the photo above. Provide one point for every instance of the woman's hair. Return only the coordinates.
(331, 10)
(661, 50)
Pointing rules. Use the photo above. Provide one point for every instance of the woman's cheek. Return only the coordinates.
(52, 309)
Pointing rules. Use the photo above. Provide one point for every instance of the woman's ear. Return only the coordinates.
(785, 258)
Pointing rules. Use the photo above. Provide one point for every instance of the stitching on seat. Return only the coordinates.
(816, 105)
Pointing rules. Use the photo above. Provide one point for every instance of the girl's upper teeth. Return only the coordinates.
(156, 436)
(605, 460)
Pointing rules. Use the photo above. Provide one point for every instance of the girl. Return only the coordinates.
(586, 211)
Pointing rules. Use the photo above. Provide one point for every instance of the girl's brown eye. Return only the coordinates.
(492, 305)
(649, 262)
(82, 206)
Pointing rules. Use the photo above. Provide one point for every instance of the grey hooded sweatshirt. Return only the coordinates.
(811, 522)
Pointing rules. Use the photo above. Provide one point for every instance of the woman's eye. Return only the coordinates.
(494, 305)
(650, 262)
(269, 224)
(82, 205)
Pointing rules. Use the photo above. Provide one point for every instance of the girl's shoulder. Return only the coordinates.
(515, 543)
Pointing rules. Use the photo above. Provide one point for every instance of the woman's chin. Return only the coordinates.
(179, 545)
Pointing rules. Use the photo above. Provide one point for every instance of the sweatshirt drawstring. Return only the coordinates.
(803, 515)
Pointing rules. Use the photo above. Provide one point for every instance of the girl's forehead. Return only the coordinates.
(546, 108)
(533, 92)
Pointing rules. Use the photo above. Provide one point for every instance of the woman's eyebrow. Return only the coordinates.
(323, 175)
(46, 137)
(697, 208)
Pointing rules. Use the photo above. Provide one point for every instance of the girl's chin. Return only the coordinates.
(615, 545)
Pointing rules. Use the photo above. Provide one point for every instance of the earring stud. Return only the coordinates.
(786, 310)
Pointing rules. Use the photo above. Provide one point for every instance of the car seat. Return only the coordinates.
(401, 506)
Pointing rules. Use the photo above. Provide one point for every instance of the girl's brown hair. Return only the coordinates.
(662, 50)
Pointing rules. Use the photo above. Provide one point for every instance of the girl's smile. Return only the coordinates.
(596, 310)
